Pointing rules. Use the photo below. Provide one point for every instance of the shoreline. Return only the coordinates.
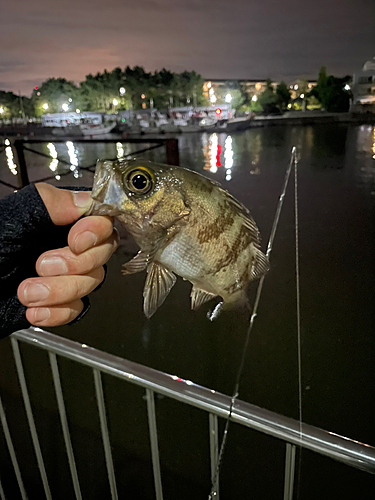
(32, 130)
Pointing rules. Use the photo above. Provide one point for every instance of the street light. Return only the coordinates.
(1, 111)
(45, 106)
(254, 98)
(115, 102)
(228, 98)
(65, 106)
(122, 90)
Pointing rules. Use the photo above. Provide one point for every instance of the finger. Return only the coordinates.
(49, 291)
(64, 262)
(64, 207)
(88, 232)
(55, 315)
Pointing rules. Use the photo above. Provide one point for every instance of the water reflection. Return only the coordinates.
(54, 162)
(73, 158)
(10, 158)
(212, 151)
(120, 150)
(228, 157)
(366, 145)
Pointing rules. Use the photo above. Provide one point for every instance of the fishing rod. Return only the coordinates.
(293, 161)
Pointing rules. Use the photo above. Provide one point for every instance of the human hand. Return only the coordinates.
(70, 273)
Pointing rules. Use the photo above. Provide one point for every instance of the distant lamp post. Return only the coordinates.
(254, 98)
(143, 96)
(78, 110)
(347, 87)
(213, 98)
(1, 110)
(114, 102)
(302, 96)
(228, 98)
(65, 106)
(45, 106)
(295, 87)
(122, 90)
(70, 99)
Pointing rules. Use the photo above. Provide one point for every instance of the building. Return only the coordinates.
(253, 87)
(363, 88)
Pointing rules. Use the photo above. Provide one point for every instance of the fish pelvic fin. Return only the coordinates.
(260, 264)
(199, 297)
(158, 284)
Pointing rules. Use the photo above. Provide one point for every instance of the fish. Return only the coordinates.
(185, 224)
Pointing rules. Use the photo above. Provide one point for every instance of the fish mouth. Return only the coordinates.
(98, 208)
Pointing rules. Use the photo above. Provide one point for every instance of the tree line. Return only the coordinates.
(134, 88)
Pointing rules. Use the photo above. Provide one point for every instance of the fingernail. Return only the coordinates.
(83, 241)
(35, 292)
(82, 199)
(53, 266)
(41, 314)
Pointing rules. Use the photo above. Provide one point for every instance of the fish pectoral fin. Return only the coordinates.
(137, 264)
(144, 257)
(199, 297)
(158, 284)
(260, 264)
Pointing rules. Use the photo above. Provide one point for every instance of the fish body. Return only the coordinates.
(184, 224)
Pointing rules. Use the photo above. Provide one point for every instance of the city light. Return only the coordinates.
(115, 102)
(78, 110)
(122, 90)
(65, 106)
(302, 96)
(209, 85)
(1, 111)
(70, 99)
(254, 98)
(228, 98)
(45, 106)
(295, 87)
(347, 87)
(213, 98)
(143, 96)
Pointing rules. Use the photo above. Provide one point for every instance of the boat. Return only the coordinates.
(236, 124)
(101, 129)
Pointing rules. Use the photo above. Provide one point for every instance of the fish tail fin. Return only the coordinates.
(260, 264)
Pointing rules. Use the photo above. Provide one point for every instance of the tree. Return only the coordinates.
(283, 96)
(268, 99)
(12, 105)
(331, 93)
(54, 92)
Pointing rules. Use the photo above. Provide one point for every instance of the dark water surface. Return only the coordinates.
(336, 202)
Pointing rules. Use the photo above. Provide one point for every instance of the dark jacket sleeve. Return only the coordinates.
(26, 231)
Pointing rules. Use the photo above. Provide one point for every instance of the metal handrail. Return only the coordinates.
(348, 451)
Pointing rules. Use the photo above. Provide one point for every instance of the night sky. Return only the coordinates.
(217, 38)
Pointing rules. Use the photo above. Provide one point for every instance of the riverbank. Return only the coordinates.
(293, 118)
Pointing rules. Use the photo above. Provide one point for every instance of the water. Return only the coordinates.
(337, 193)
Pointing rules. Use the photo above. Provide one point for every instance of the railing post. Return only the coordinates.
(173, 157)
(22, 171)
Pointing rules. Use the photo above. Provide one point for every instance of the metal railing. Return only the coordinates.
(347, 451)
(22, 145)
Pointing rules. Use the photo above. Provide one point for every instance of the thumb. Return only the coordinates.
(64, 207)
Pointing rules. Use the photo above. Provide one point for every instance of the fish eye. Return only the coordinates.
(139, 181)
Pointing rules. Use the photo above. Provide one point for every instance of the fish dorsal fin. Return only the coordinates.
(245, 215)
(199, 297)
(260, 264)
(158, 284)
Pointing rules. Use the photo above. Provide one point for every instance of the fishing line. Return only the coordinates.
(298, 302)
(293, 160)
